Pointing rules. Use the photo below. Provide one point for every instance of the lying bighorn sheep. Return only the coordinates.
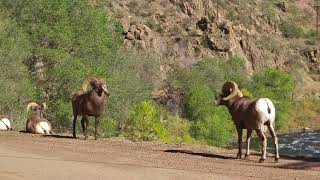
(36, 123)
(89, 103)
(250, 114)
(5, 123)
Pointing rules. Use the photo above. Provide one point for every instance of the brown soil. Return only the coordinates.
(26, 156)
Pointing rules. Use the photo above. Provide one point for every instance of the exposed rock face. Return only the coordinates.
(312, 55)
(187, 31)
(139, 35)
(198, 8)
(219, 41)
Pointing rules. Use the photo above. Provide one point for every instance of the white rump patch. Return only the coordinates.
(43, 128)
(5, 124)
(266, 110)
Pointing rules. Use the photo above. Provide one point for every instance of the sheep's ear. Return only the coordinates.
(230, 90)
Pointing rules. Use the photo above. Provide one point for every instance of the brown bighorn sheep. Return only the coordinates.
(89, 103)
(5, 123)
(36, 123)
(250, 114)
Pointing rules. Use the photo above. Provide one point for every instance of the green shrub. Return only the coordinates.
(310, 42)
(278, 86)
(269, 9)
(290, 30)
(247, 93)
(199, 85)
(210, 72)
(109, 127)
(178, 130)
(234, 69)
(211, 124)
(144, 124)
(214, 130)
(131, 80)
(200, 102)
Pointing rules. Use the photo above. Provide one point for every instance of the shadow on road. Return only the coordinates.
(301, 165)
(198, 154)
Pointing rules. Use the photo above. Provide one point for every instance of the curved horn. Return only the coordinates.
(31, 104)
(235, 90)
(86, 82)
(44, 105)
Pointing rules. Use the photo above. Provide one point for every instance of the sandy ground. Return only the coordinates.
(27, 156)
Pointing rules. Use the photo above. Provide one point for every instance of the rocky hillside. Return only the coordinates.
(277, 34)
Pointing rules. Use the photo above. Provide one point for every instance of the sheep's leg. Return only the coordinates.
(84, 125)
(97, 123)
(249, 132)
(74, 126)
(239, 130)
(275, 141)
(264, 145)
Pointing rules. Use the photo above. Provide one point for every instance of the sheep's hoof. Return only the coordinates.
(261, 160)
(246, 156)
(276, 160)
(238, 156)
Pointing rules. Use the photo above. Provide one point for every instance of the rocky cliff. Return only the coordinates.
(277, 34)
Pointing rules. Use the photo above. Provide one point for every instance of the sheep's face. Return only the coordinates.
(40, 111)
(100, 87)
(230, 91)
(219, 100)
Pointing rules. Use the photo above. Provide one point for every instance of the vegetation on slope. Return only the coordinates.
(48, 47)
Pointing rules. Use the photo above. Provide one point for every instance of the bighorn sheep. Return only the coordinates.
(36, 123)
(250, 114)
(89, 103)
(5, 123)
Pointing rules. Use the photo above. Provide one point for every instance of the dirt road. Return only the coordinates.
(25, 156)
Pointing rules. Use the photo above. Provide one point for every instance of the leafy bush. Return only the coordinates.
(245, 92)
(132, 79)
(199, 84)
(210, 72)
(211, 124)
(290, 30)
(109, 127)
(178, 130)
(234, 69)
(278, 86)
(144, 124)
(214, 130)
(200, 102)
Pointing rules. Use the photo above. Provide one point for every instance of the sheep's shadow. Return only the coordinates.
(50, 135)
(198, 154)
(58, 136)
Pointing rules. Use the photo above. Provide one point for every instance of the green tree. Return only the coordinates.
(16, 87)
